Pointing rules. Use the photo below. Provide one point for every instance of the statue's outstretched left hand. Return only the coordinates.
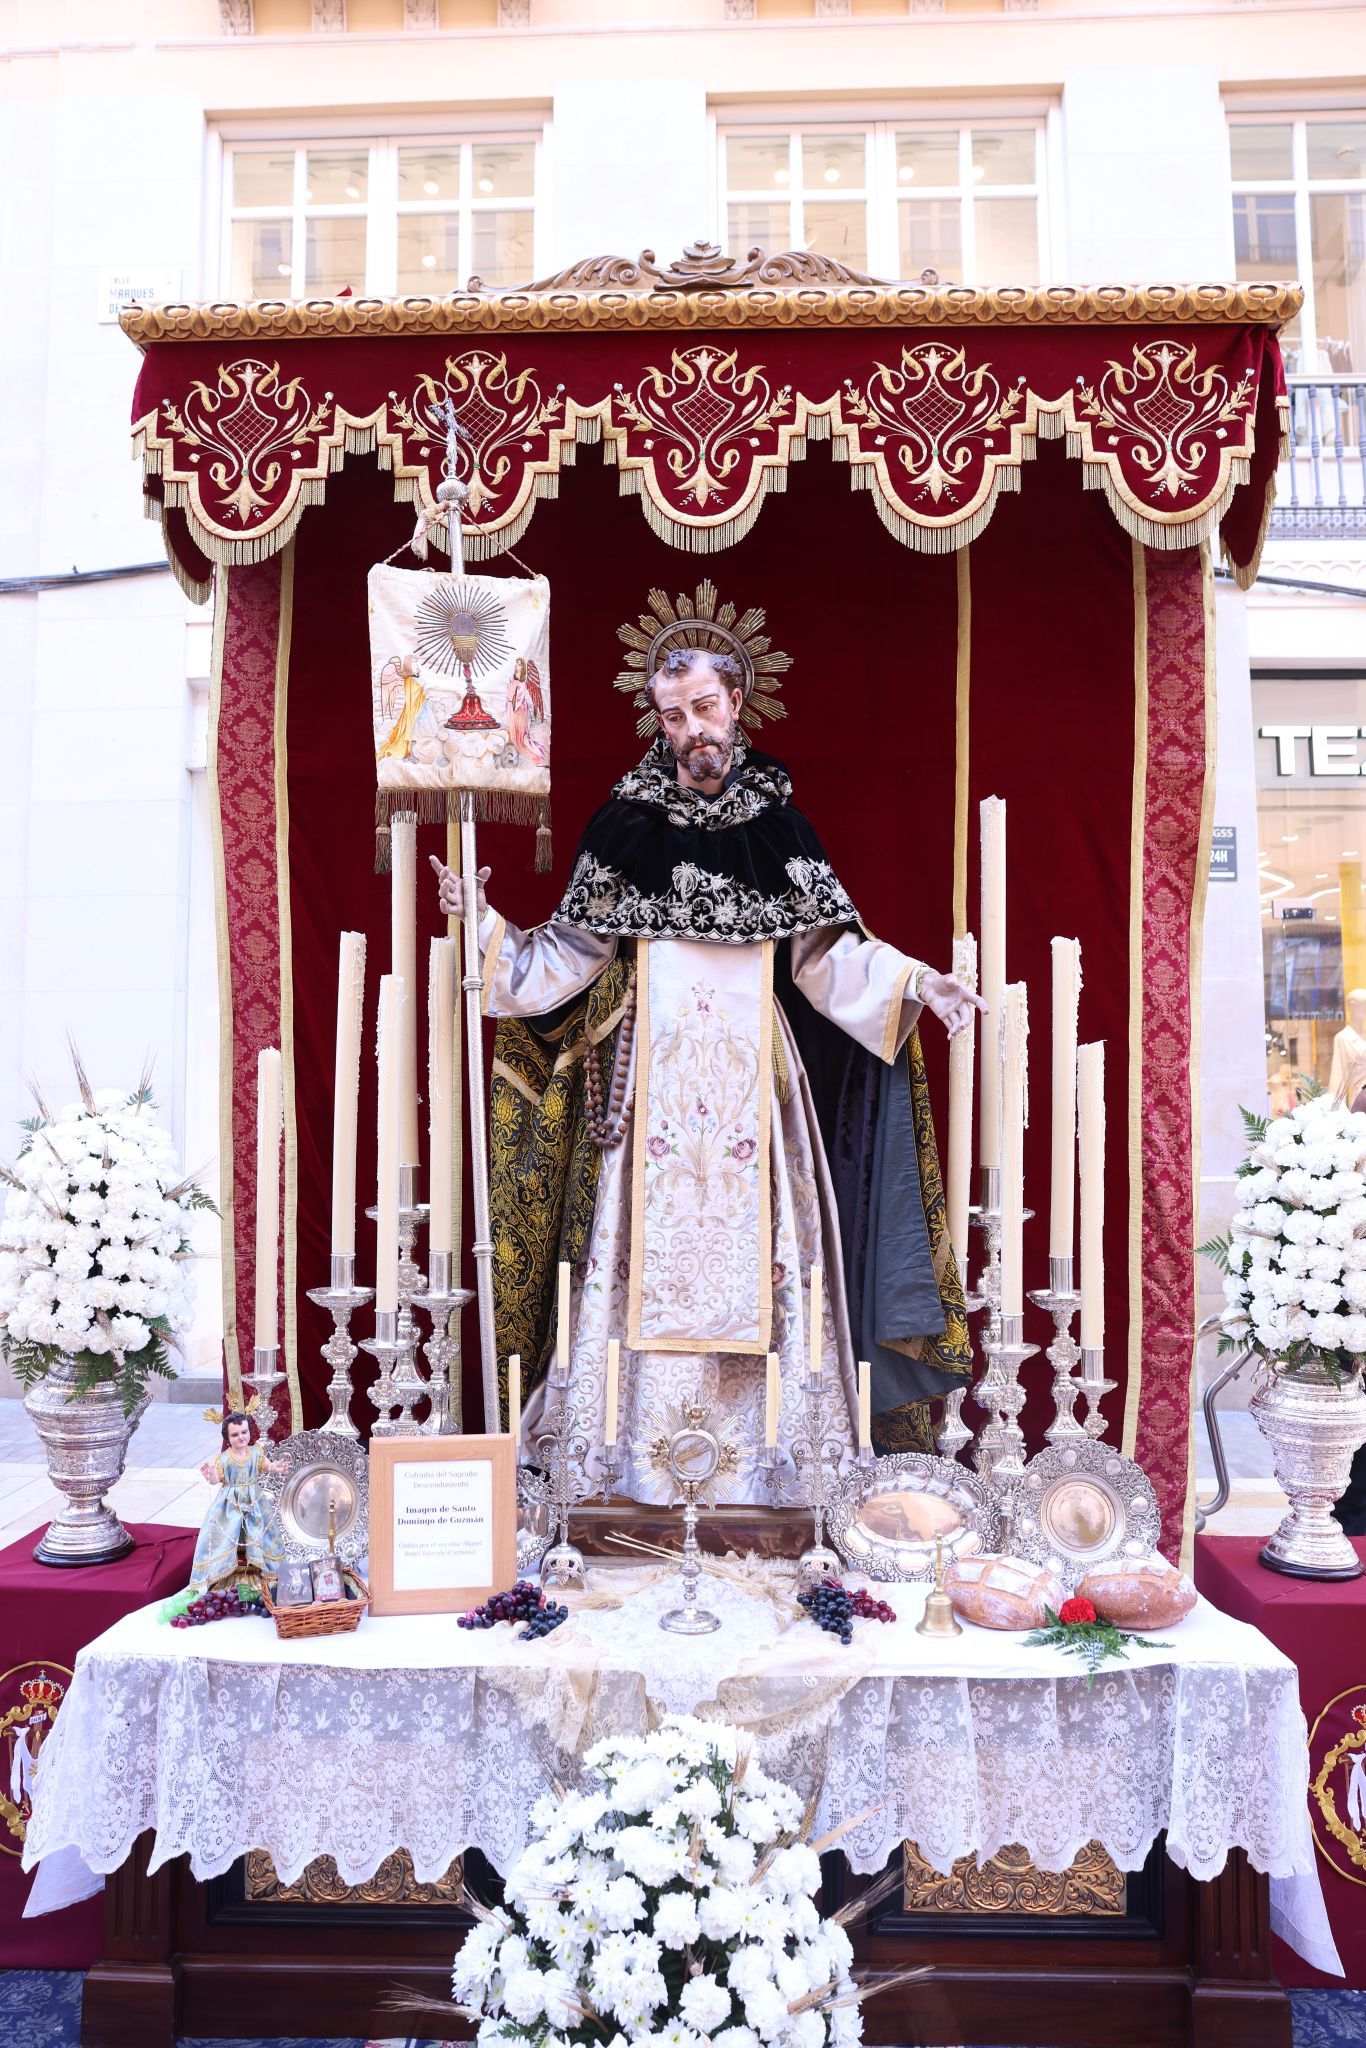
(952, 1004)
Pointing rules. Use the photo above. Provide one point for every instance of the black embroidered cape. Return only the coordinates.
(659, 861)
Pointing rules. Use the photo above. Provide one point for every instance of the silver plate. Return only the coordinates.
(321, 1467)
(1076, 1505)
(884, 1523)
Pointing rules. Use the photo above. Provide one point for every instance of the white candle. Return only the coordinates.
(562, 1320)
(817, 1317)
(865, 1405)
(386, 1177)
(961, 1047)
(773, 1400)
(346, 1091)
(993, 973)
(1014, 1056)
(1091, 1099)
(403, 910)
(515, 1395)
(1063, 1157)
(441, 1092)
(609, 1427)
(269, 1098)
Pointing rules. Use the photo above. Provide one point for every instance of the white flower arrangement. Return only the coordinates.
(667, 1906)
(94, 1243)
(1294, 1260)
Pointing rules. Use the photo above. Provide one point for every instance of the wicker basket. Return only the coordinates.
(324, 1617)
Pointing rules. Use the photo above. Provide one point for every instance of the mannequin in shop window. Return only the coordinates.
(1348, 1075)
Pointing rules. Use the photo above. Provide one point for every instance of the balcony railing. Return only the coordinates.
(1321, 487)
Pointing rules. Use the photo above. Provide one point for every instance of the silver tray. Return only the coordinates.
(1077, 1504)
(322, 1467)
(884, 1522)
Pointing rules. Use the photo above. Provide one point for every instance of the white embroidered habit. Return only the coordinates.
(717, 1200)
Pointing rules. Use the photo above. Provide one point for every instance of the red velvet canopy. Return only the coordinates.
(1029, 615)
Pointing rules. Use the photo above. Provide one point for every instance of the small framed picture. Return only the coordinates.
(327, 1578)
(294, 1586)
(443, 1522)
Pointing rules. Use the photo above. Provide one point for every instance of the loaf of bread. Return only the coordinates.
(1001, 1592)
(1138, 1592)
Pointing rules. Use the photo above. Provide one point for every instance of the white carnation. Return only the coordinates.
(719, 1912)
(705, 2004)
(675, 1922)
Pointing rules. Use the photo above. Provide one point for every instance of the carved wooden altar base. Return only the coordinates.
(1151, 1961)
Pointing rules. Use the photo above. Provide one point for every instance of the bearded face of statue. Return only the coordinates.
(699, 715)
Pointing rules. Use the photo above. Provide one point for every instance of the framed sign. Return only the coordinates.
(443, 1522)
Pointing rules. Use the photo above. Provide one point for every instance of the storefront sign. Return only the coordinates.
(1318, 750)
(1223, 854)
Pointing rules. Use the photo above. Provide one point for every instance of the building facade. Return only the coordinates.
(234, 148)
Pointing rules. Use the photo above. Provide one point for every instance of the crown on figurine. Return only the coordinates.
(1359, 1716)
(42, 1691)
(698, 622)
(220, 1415)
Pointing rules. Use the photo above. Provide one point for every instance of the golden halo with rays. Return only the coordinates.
(699, 622)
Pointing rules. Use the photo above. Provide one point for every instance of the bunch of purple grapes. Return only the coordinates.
(219, 1607)
(523, 1602)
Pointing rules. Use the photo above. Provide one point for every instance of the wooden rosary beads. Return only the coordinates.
(607, 1126)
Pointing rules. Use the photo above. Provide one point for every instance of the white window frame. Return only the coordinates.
(882, 190)
(1302, 188)
(382, 207)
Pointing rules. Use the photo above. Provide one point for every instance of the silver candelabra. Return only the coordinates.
(341, 1298)
(1061, 1300)
(563, 1450)
(265, 1376)
(815, 1447)
(400, 1385)
(440, 1299)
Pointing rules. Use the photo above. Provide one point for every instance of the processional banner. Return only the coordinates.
(460, 693)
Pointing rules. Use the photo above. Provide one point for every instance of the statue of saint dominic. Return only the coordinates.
(706, 1079)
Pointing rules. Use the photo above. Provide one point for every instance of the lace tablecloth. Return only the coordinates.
(415, 1734)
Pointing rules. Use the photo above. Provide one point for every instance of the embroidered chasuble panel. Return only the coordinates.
(701, 1276)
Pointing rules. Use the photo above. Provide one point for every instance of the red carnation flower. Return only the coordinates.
(1076, 1610)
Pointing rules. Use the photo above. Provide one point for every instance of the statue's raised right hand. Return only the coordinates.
(451, 889)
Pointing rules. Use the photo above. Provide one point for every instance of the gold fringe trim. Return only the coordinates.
(442, 807)
(1046, 419)
(197, 592)
(1244, 574)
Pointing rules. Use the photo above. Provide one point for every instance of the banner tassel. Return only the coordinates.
(544, 847)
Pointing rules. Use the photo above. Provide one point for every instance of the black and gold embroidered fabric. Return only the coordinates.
(911, 1426)
(543, 1165)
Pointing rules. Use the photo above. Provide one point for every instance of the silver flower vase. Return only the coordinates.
(1313, 1427)
(86, 1438)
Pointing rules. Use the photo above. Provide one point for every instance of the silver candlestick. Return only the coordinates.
(1095, 1387)
(1062, 1301)
(341, 1298)
(440, 1300)
(402, 1386)
(1000, 1449)
(384, 1346)
(265, 1376)
(985, 1215)
(563, 1450)
(815, 1447)
(611, 1462)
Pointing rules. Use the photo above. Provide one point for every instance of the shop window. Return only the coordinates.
(1311, 860)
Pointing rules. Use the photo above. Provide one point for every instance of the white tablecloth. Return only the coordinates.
(412, 1733)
